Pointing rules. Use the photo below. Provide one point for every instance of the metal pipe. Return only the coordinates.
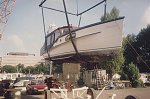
(58, 10)
(69, 29)
(105, 11)
(92, 7)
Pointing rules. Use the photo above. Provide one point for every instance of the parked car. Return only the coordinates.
(36, 86)
(22, 81)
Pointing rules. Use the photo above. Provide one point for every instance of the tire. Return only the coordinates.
(90, 92)
(132, 97)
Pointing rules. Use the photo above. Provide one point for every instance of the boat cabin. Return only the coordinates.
(52, 37)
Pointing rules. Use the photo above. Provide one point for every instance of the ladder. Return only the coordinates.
(101, 82)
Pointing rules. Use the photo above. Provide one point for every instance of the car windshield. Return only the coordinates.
(36, 82)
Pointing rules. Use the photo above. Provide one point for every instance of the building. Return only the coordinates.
(70, 71)
(145, 77)
(15, 58)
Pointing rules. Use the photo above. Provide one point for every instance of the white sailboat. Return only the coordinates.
(96, 42)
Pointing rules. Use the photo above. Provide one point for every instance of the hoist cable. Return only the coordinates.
(79, 21)
(133, 47)
(77, 6)
(45, 35)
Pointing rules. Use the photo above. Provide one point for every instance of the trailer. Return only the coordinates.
(77, 93)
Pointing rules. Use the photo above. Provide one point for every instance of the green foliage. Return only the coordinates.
(41, 68)
(9, 69)
(141, 43)
(117, 64)
(139, 84)
(129, 53)
(80, 81)
(57, 68)
(123, 76)
(112, 15)
(143, 48)
(20, 68)
(132, 72)
(114, 66)
(31, 69)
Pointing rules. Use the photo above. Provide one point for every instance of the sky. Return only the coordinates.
(25, 33)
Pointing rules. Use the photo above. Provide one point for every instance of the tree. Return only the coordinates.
(114, 13)
(117, 64)
(20, 68)
(57, 67)
(132, 72)
(143, 45)
(9, 69)
(42, 68)
(129, 53)
(30, 69)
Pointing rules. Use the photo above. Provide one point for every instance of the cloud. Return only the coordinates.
(145, 20)
(55, 0)
(28, 35)
(126, 3)
(16, 42)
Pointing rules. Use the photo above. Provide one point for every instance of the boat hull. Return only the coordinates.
(97, 42)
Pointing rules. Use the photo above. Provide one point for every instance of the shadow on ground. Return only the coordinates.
(24, 95)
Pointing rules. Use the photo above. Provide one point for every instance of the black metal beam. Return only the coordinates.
(41, 5)
(69, 29)
(91, 7)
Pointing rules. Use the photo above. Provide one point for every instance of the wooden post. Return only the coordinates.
(29, 71)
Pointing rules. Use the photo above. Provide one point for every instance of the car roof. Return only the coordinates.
(25, 78)
(35, 79)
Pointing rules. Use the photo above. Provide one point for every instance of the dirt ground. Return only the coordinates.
(142, 93)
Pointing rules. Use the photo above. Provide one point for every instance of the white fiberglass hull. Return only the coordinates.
(95, 43)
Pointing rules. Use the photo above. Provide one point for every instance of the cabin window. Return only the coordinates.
(65, 30)
(57, 33)
(50, 40)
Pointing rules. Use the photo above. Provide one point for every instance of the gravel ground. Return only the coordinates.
(142, 93)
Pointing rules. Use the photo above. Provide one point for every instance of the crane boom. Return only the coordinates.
(6, 7)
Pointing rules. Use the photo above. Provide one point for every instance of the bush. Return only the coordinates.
(80, 82)
(123, 76)
(139, 84)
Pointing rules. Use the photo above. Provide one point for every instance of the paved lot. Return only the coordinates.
(142, 93)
